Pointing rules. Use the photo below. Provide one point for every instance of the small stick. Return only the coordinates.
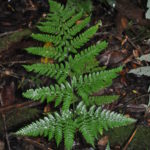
(22, 105)
(32, 5)
(19, 62)
(35, 143)
(4, 123)
(7, 33)
(131, 99)
(134, 46)
(130, 139)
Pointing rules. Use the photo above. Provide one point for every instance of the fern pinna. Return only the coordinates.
(78, 76)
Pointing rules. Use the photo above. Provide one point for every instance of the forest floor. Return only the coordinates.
(128, 35)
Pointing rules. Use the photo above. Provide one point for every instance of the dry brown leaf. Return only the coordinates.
(135, 53)
(47, 108)
(103, 141)
(8, 94)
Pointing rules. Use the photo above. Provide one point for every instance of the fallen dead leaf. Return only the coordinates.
(8, 94)
(111, 57)
(78, 22)
(135, 53)
(47, 108)
(103, 141)
(2, 145)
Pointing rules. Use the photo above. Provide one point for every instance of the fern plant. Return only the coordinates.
(77, 76)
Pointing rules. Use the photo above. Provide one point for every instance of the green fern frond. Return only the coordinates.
(91, 83)
(67, 14)
(74, 19)
(88, 122)
(84, 37)
(78, 27)
(46, 38)
(101, 100)
(108, 146)
(61, 30)
(55, 6)
(86, 58)
(58, 93)
(84, 86)
(85, 128)
(39, 128)
(101, 119)
(53, 126)
(59, 72)
(49, 52)
(58, 132)
(69, 133)
(49, 29)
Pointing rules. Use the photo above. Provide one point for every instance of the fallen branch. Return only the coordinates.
(5, 109)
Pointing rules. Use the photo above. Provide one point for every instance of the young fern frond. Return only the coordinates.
(87, 122)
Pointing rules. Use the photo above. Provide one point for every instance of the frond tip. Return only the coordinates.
(90, 122)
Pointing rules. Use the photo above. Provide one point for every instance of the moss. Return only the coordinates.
(8, 40)
(17, 117)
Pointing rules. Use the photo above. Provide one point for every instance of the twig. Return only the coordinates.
(134, 46)
(32, 5)
(130, 41)
(5, 126)
(7, 33)
(102, 33)
(37, 144)
(22, 105)
(19, 62)
(9, 73)
(132, 99)
(130, 139)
